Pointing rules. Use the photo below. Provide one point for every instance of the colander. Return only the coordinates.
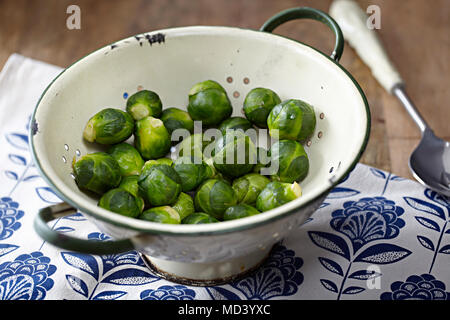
(169, 62)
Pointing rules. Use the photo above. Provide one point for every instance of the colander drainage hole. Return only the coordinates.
(64, 159)
(78, 153)
(66, 147)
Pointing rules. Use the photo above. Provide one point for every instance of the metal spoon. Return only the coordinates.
(430, 161)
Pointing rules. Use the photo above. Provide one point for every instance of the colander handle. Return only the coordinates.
(66, 242)
(308, 13)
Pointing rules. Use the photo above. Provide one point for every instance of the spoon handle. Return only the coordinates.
(400, 93)
(353, 22)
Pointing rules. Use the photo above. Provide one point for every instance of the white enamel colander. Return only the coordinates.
(169, 62)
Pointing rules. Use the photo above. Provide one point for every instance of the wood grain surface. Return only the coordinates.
(414, 32)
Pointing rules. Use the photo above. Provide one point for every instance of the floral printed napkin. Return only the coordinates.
(376, 236)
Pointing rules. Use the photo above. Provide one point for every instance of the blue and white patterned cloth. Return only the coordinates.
(377, 236)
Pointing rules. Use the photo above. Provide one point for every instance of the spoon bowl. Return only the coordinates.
(430, 163)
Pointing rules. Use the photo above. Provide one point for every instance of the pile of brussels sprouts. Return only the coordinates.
(232, 181)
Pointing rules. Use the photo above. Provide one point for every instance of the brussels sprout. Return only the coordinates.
(257, 105)
(234, 154)
(193, 146)
(210, 163)
(109, 126)
(166, 161)
(292, 119)
(150, 163)
(209, 103)
(163, 214)
(160, 185)
(235, 123)
(144, 103)
(174, 118)
(122, 202)
(130, 184)
(199, 218)
(128, 158)
(248, 187)
(205, 85)
(214, 197)
(216, 174)
(276, 194)
(151, 138)
(184, 205)
(239, 211)
(192, 171)
(291, 159)
(97, 172)
(262, 160)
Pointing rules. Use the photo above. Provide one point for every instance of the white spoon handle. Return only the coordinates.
(353, 22)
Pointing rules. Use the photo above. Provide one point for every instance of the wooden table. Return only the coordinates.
(415, 33)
